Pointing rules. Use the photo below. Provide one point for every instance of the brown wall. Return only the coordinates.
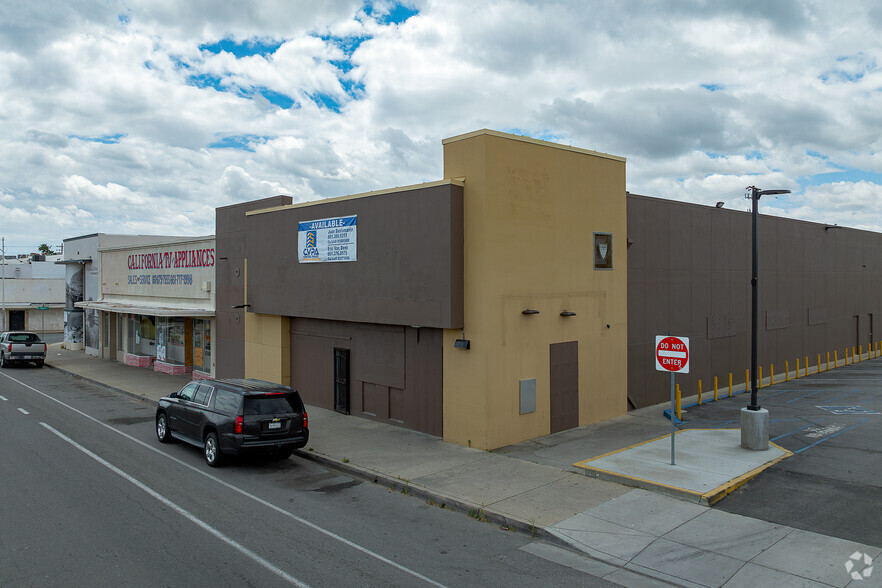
(689, 274)
(409, 267)
(395, 371)
(229, 339)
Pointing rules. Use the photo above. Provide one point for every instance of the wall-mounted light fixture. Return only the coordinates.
(567, 313)
(462, 343)
(529, 311)
(240, 306)
(719, 204)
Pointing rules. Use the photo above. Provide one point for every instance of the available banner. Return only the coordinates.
(327, 239)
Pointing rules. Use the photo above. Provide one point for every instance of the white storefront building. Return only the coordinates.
(157, 305)
(32, 294)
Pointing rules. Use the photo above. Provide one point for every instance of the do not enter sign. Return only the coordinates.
(672, 354)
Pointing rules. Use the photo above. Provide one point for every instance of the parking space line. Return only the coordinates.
(828, 400)
(793, 431)
(184, 513)
(23, 411)
(831, 436)
(804, 396)
(3, 398)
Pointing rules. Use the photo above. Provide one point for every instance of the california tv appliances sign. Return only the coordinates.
(328, 239)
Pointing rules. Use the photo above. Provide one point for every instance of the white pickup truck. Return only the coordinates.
(21, 347)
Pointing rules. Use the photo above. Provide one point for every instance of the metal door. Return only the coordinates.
(564, 384)
(341, 380)
(16, 320)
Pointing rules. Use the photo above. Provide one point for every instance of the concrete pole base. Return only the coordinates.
(755, 429)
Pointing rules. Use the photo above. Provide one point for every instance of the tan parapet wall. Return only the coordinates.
(268, 348)
(530, 212)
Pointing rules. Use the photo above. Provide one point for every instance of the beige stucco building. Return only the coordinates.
(488, 307)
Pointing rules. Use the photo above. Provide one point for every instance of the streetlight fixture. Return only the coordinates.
(755, 420)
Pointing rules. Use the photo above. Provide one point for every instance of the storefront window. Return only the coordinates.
(142, 335)
(202, 345)
(170, 340)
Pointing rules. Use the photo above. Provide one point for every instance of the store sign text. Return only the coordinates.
(172, 259)
(161, 279)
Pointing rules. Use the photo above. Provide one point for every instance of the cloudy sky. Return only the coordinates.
(142, 116)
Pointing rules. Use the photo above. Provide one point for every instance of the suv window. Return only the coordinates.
(23, 338)
(188, 392)
(203, 393)
(270, 404)
(226, 401)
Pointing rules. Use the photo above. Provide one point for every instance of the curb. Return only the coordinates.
(455, 504)
(144, 399)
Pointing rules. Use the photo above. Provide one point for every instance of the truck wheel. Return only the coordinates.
(40, 363)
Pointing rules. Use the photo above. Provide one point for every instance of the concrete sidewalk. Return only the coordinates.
(658, 535)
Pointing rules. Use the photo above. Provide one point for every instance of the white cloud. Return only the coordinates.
(112, 123)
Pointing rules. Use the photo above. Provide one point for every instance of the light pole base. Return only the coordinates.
(755, 429)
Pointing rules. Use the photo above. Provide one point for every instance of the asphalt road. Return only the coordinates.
(832, 422)
(88, 496)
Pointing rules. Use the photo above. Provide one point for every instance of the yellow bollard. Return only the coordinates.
(730, 384)
(715, 388)
(786, 371)
(828, 362)
(860, 353)
(679, 411)
(759, 377)
(747, 380)
(771, 374)
(852, 355)
(699, 392)
(836, 358)
(797, 368)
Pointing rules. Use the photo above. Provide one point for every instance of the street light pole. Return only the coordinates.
(755, 422)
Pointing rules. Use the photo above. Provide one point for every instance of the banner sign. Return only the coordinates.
(327, 239)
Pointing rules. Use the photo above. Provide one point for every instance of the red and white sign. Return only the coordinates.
(672, 354)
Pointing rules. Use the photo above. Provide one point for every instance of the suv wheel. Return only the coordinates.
(162, 431)
(213, 456)
(3, 362)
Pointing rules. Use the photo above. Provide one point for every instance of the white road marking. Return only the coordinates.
(217, 480)
(187, 515)
(3, 398)
(23, 411)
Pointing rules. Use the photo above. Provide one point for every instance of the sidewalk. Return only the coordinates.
(658, 534)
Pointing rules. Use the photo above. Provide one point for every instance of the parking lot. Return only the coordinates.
(832, 423)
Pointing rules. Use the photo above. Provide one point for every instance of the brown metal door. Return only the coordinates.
(564, 384)
(341, 380)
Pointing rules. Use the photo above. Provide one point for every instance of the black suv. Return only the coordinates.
(234, 417)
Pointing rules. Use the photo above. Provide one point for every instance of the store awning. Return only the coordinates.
(144, 309)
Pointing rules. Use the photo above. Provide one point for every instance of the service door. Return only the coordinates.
(564, 385)
(16, 320)
(341, 380)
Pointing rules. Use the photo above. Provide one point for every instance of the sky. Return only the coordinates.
(142, 116)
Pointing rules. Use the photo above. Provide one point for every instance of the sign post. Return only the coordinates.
(672, 355)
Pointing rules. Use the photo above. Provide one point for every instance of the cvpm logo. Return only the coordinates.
(310, 251)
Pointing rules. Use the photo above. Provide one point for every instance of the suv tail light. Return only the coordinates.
(237, 424)
(45, 348)
(305, 420)
(9, 347)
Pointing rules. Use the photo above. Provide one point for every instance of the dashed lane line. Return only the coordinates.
(238, 490)
(184, 513)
